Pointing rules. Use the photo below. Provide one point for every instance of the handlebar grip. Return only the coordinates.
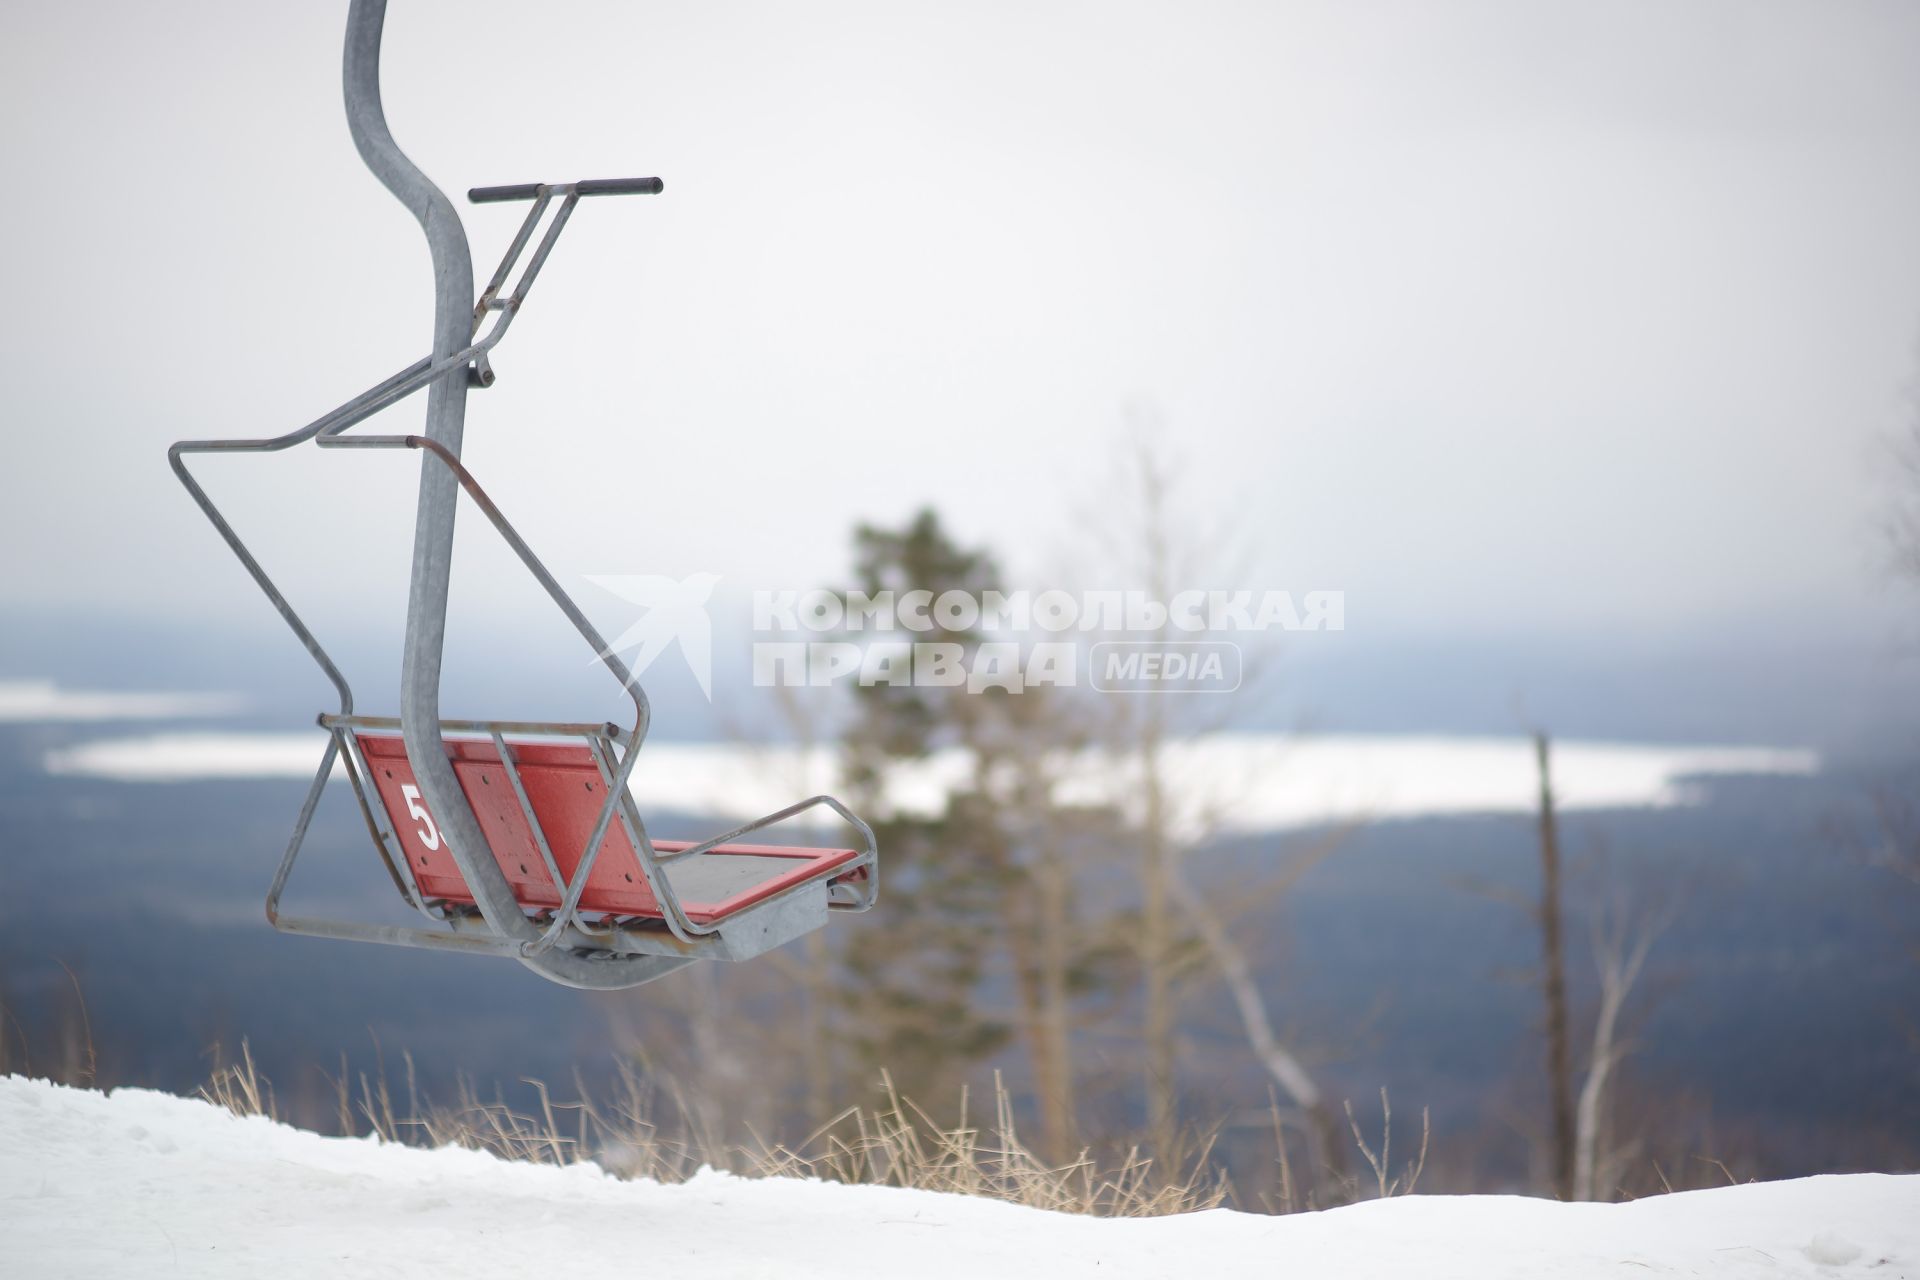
(620, 187)
(587, 187)
(494, 195)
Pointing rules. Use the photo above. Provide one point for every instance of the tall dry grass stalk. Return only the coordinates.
(240, 1088)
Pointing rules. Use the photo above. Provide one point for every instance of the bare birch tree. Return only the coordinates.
(1181, 935)
(1622, 941)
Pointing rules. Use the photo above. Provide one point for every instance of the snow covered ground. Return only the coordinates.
(1221, 783)
(141, 1183)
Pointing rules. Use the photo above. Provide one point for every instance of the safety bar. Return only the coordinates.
(329, 429)
(585, 187)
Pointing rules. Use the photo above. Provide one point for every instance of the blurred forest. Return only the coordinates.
(1078, 954)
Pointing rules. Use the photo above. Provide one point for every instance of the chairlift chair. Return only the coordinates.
(516, 839)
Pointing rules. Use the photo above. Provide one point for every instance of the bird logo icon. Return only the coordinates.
(675, 610)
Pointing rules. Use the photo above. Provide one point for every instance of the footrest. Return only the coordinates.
(565, 789)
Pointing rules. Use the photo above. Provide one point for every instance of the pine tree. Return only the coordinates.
(983, 888)
(918, 965)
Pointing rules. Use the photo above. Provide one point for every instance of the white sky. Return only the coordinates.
(1512, 316)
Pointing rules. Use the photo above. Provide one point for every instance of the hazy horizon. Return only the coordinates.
(1508, 321)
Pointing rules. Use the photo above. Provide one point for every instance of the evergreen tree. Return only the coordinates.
(918, 964)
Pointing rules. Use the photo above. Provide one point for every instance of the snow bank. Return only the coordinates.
(1221, 783)
(44, 702)
(143, 1183)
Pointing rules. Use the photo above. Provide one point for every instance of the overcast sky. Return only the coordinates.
(1517, 317)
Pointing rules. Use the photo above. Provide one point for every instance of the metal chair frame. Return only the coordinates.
(560, 945)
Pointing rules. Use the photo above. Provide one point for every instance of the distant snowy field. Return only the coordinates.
(1220, 783)
(142, 1183)
(44, 702)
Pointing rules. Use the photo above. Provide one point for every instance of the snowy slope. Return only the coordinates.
(90, 1183)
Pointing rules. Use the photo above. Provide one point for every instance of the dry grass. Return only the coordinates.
(1388, 1183)
(240, 1088)
(898, 1145)
(639, 1133)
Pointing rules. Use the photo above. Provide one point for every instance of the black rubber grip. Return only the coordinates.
(587, 187)
(493, 195)
(620, 187)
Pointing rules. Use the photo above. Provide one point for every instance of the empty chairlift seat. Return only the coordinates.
(564, 788)
(583, 897)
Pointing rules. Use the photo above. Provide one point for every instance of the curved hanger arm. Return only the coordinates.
(453, 302)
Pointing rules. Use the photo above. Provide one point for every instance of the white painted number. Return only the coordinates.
(429, 834)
